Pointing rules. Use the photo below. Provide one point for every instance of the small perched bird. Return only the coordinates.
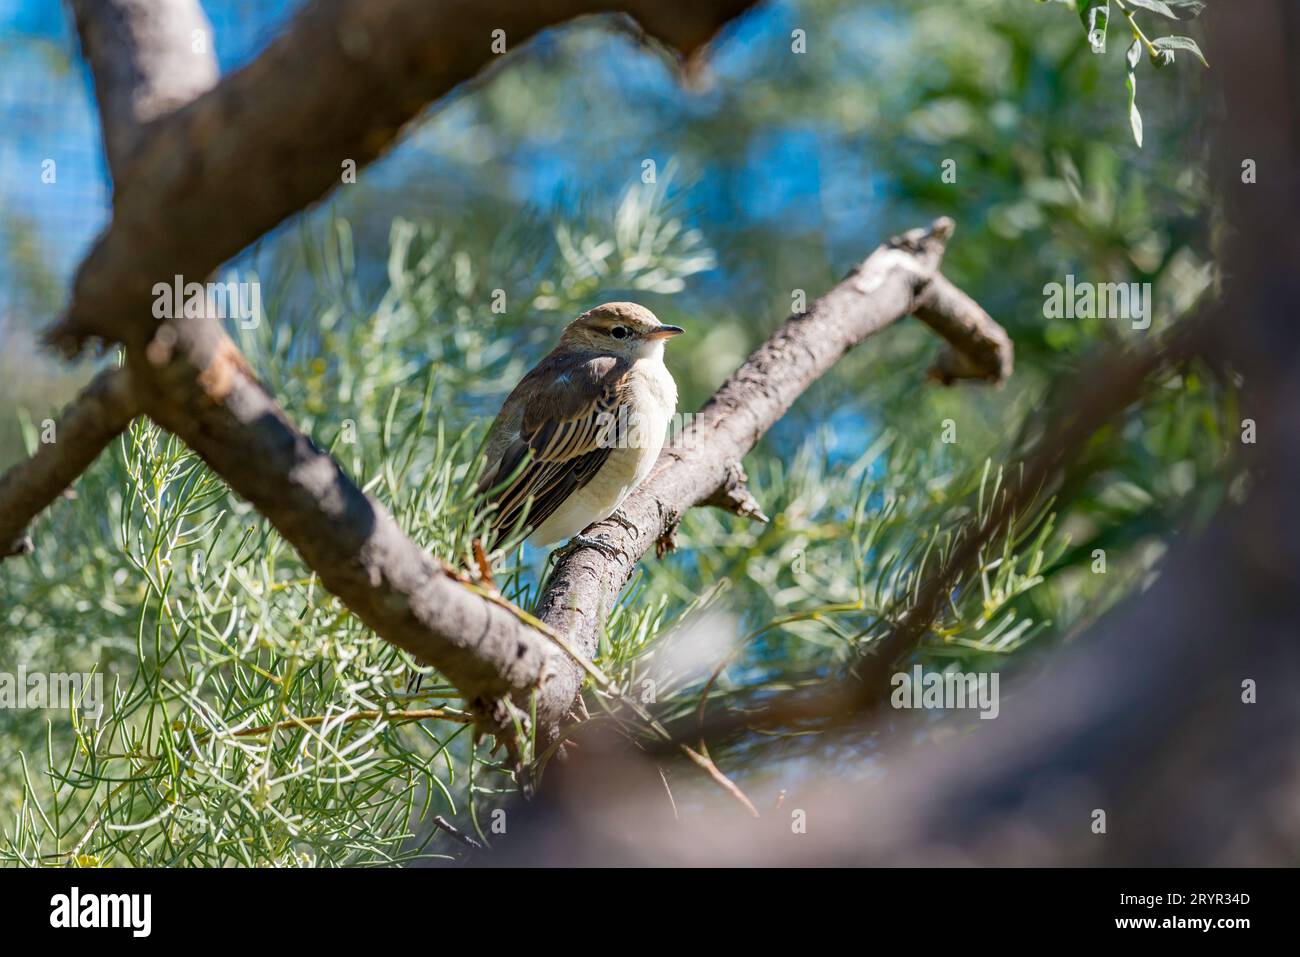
(583, 428)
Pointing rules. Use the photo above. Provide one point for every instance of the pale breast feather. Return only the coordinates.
(553, 435)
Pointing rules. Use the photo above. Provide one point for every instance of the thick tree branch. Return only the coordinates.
(273, 137)
(194, 382)
(93, 419)
(148, 59)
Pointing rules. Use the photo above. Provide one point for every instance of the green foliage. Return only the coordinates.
(1095, 15)
(252, 720)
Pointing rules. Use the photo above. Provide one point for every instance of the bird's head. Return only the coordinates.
(619, 328)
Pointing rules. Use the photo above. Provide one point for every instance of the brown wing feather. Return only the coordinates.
(566, 411)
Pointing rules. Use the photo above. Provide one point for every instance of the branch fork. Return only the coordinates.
(189, 376)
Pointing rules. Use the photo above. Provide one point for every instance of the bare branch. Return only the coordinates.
(978, 347)
(194, 382)
(272, 138)
(148, 58)
(443, 824)
(734, 496)
(93, 419)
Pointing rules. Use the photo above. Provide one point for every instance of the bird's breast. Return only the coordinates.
(637, 442)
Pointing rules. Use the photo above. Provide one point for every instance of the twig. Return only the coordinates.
(98, 414)
(722, 780)
(443, 824)
(396, 717)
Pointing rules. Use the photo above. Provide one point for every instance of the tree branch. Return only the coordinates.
(147, 59)
(978, 347)
(194, 382)
(93, 419)
(272, 138)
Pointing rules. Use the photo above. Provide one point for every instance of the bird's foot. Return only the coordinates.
(586, 541)
(621, 520)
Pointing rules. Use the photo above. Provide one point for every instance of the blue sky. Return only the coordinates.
(47, 111)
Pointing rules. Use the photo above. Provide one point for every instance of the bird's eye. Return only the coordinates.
(619, 332)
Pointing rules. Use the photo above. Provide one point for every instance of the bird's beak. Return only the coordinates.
(665, 332)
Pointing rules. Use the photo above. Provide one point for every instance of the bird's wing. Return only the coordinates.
(554, 433)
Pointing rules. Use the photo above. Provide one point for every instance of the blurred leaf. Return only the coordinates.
(1096, 18)
(1134, 117)
(1187, 9)
(1170, 44)
(1156, 6)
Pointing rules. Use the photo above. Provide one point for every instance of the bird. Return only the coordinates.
(582, 429)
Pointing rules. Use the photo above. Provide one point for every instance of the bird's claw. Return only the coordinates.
(621, 520)
(586, 541)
